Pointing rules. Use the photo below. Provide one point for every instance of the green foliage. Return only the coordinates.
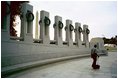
(112, 40)
(108, 48)
(15, 10)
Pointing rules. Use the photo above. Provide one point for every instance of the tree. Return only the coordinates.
(15, 10)
(113, 40)
(106, 40)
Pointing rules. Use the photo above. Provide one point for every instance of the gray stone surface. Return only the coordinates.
(76, 68)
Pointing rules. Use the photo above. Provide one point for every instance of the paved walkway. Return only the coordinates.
(76, 68)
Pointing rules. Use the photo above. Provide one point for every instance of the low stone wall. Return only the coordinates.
(17, 54)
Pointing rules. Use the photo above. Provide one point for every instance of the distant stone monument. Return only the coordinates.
(100, 44)
(37, 28)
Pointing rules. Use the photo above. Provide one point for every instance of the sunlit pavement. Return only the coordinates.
(76, 68)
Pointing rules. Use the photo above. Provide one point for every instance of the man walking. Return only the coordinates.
(94, 56)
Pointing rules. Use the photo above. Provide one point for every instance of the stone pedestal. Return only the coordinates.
(85, 36)
(78, 34)
(69, 37)
(44, 30)
(26, 26)
(58, 30)
(5, 31)
(97, 41)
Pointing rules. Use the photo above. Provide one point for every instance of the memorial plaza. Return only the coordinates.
(76, 68)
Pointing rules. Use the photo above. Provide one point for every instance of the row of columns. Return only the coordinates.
(27, 28)
(44, 31)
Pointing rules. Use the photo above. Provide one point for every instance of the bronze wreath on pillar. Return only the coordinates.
(47, 21)
(60, 24)
(29, 16)
(87, 31)
(54, 25)
(65, 28)
(80, 29)
(71, 27)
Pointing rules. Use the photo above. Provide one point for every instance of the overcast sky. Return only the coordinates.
(100, 16)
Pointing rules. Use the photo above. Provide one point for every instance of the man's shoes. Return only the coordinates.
(96, 67)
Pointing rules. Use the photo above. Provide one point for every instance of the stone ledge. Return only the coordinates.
(15, 68)
(20, 67)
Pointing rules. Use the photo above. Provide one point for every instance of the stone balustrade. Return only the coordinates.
(27, 29)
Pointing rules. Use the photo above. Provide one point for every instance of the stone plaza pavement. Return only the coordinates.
(76, 68)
